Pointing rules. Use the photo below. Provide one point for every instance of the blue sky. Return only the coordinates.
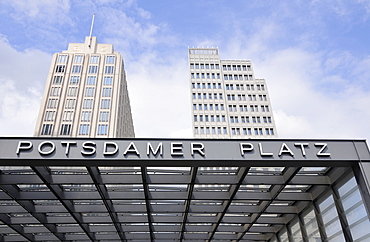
(314, 55)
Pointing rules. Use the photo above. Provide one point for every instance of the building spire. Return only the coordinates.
(91, 29)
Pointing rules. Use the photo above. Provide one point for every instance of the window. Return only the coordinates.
(225, 130)
(201, 130)
(204, 95)
(104, 116)
(89, 91)
(58, 80)
(109, 59)
(86, 116)
(217, 118)
(62, 58)
(84, 129)
(213, 130)
(72, 92)
(219, 130)
(195, 118)
(74, 80)
(106, 92)
(191, 66)
(196, 66)
(211, 107)
(91, 80)
(105, 104)
(109, 69)
(201, 118)
(49, 116)
(217, 66)
(102, 129)
(194, 96)
(223, 119)
(60, 68)
(200, 107)
(194, 107)
(65, 129)
(87, 103)
(220, 95)
(212, 118)
(52, 103)
(93, 69)
(67, 115)
(210, 96)
(212, 66)
(199, 96)
(234, 67)
(201, 66)
(46, 129)
(108, 80)
(196, 130)
(94, 59)
(78, 59)
(55, 91)
(207, 130)
(76, 69)
(206, 118)
(70, 103)
(203, 76)
(218, 76)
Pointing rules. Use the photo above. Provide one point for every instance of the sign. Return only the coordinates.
(180, 149)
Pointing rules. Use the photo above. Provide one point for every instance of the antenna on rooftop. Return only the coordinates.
(91, 29)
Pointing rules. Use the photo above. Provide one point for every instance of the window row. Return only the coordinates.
(85, 129)
(210, 106)
(209, 118)
(205, 75)
(252, 108)
(238, 77)
(71, 102)
(79, 59)
(66, 129)
(209, 130)
(233, 119)
(207, 85)
(253, 119)
(77, 69)
(234, 131)
(89, 91)
(85, 116)
(209, 95)
(90, 80)
(204, 66)
(256, 131)
(236, 67)
(248, 87)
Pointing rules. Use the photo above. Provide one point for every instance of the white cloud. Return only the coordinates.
(45, 10)
(22, 78)
(159, 97)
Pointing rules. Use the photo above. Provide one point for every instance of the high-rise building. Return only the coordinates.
(86, 94)
(227, 100)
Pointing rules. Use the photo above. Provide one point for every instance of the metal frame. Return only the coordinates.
(168, 203)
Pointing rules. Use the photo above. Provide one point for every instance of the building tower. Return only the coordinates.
(227, 100)
(86, 94)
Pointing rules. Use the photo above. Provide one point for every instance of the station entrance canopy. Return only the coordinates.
(59, 189)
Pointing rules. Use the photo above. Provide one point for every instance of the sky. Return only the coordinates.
(314, 55)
